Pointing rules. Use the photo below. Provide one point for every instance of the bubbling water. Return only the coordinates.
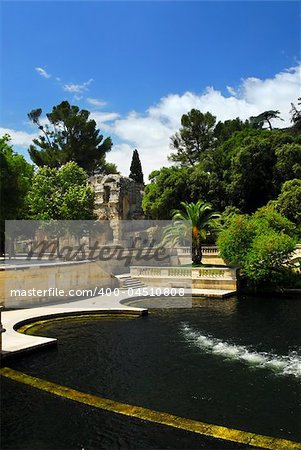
(282, 365)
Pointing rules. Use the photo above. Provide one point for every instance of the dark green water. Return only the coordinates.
(229, 362)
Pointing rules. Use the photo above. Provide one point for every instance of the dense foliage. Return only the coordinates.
(15, 181)
(194, 137)
(60, 194)
(260, 244)
(167, 189)
(288, 201)
(245, 171)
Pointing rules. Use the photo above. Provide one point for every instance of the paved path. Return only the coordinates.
(14, 342)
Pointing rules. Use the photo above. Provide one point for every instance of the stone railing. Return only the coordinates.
(183, 250)
(182, 272)
(206, 250)
(178, 272)
(210, 250)
(197, 278)
(211, 273)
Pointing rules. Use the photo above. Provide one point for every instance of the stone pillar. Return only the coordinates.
(117, 231)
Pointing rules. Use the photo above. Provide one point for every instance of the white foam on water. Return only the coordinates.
(282, 365)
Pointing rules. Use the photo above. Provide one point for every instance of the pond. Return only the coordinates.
(234, 362)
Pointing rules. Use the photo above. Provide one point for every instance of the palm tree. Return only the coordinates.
(201, 219)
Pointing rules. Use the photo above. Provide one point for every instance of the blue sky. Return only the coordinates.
(132, 62)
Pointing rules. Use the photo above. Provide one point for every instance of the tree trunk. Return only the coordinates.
(196, 252)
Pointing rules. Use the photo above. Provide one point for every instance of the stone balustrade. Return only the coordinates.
(206, 250)
(225, 273)
(210, 250)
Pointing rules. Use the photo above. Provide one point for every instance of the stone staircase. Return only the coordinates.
(127, 282)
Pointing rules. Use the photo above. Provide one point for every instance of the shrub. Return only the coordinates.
(261, 245)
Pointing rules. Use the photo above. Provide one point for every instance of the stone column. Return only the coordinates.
(117, 231)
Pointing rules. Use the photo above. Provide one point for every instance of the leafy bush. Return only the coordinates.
(261, 245)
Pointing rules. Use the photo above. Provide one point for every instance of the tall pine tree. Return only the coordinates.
(136, 168)
(70, 136)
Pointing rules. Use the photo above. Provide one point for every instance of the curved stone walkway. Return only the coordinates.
(14, 342)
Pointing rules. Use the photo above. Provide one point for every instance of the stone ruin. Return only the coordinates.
(117, 198)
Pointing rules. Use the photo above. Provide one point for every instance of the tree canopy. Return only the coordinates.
(167, 188)
(246, 171)
(69, 136)
(60, 194)
(266, 116)
(194, 137)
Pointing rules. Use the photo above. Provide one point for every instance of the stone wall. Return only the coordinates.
(64, 276)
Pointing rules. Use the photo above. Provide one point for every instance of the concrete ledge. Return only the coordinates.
(14, 343)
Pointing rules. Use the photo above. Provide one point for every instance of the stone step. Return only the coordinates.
(132, 281)
(132, 284)
(129, 282)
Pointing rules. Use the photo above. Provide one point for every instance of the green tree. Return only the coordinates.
(167, 188)
(193, 139)
(235, 241)
(69, 136)
(61, 194)
(288, 164)
(260, 244)
(224, 130)
(202, 219)
(266, 262)
(136, 168)
(249, 182)
(247, 166)
(266, 116)
(288, 201)
(15, 181)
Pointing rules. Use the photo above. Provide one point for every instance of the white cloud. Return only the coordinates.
(77, 87)
(150, 133)
(21, 138)
(42, 72)
(231, 91)
(101, 119)
(96, 102)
